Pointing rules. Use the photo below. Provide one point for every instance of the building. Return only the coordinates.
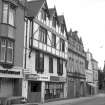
(95, 74)
(91, 74)
(76, 80)
(45, 53)
(11, 47)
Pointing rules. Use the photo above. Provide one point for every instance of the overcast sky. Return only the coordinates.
(88, 18)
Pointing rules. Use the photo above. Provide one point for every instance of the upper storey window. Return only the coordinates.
(54, 22)
(8, 13)
(54, 40)
(43, 35)
(62, 28)
(6, 51)
(62, 45)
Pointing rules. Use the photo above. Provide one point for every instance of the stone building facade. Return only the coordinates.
(76, 80)
(11, 47)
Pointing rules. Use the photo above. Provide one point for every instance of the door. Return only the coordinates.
(34, 91)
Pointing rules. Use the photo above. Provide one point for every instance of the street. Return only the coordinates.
(99, 100)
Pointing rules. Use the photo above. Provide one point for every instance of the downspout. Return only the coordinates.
(26, 45)
(31, 44)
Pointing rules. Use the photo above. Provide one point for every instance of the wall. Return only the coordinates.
(19, 43)
(6, 87)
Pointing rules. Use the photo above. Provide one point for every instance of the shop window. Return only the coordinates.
(8, 13)
(43, 35)
(50, 64)
(6, 51)
(39, 62)
(54, 40)
(54, 90)
(35, 87)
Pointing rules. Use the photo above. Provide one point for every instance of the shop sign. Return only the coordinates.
(37, 77)
(57, 79)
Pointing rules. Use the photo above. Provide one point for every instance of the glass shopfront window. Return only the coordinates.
(54, 90)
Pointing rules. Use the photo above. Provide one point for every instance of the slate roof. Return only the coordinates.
(34, 7)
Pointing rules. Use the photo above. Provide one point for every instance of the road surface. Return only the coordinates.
(99, 100)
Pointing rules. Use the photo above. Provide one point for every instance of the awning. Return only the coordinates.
(93, 85)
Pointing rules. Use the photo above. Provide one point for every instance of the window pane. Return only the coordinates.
(3, 50)
(11, 15)
(5, 12)
(10, 52)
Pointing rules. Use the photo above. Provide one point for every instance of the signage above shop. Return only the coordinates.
(57, 79)
(36, 77)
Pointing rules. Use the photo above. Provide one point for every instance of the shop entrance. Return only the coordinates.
(34, 91)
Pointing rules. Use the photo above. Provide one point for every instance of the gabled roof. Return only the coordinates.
(52, 12)
(34, 7)
(61, 20)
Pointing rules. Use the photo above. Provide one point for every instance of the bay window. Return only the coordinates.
(8, 13)
(6, 51)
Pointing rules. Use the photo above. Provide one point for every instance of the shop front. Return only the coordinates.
(10, 83)
(34, 86)
(55, 88)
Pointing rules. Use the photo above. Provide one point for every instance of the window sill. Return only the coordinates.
(6, 65)
(9, 25)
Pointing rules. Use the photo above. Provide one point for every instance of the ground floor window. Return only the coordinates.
(54, 90)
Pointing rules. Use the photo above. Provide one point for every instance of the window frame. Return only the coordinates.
(39, 63)
(60, 66)
(53, 44)
(62, 28)
(62, 45)
(50, 64)
(8, 11)
(54, 22)
(43, 35)
(6, 53)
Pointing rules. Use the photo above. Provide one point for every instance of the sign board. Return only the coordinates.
(36, 77)
(57, 79)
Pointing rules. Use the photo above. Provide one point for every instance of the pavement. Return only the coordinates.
(66, 101)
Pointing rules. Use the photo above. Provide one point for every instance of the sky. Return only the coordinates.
(88, 18)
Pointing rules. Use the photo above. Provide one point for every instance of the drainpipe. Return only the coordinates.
(26, 45)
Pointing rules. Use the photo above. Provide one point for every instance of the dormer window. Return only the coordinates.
(8, 13)
(43, 15)
(54, 22)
